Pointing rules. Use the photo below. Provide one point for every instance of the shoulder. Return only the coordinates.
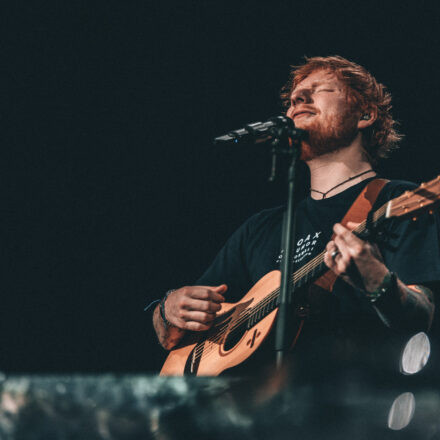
(258, 223)
(399, 185)
(395, 188)
(266, 217)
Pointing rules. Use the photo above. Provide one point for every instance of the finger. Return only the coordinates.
(329, 260)
(352, 244)
(341, 245)
(201, 305)
(196, 326)
(342, 264)
(207, 293)
(220, 289)
(202, 317)
(345, 267)
(339, 229)
(331, 247)
(343, 259)
(352, 225)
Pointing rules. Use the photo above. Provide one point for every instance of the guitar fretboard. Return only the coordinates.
(306, 274)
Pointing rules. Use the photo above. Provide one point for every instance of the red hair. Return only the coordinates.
(365, 93)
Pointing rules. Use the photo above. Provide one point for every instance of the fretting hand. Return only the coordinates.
(357, 262)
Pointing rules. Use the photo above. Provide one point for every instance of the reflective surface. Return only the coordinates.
(415, 354)
(402, 411)
(144, 407)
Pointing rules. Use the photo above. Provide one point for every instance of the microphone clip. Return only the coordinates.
(286, 140)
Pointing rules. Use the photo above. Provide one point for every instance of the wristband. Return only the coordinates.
(162, 310)
(388, 283)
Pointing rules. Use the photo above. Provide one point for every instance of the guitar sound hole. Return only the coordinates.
(234, 336)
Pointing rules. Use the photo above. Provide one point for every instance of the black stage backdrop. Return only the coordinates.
(111, 192)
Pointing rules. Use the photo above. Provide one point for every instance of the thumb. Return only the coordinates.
(220, 289)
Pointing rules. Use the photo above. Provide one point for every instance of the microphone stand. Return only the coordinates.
(287, 142)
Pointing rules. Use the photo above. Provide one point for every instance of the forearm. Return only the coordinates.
(359, 263)
(409, 308)
(168, 336)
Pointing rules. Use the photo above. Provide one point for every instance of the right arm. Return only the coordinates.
(188, 308)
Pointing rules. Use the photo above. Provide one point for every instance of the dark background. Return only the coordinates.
(111, 192)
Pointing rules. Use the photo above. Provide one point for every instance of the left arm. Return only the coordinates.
(360, 264)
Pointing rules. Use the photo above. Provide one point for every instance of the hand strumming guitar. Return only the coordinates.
(188, 308)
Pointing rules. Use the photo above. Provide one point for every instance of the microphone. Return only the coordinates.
(258, 132)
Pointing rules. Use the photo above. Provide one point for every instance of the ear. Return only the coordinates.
(367, 118)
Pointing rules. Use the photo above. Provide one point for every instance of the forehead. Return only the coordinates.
(317, 78)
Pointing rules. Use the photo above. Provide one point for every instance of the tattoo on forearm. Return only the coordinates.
(413, 311)
(419, 300)
(411, 308)
(168, 337)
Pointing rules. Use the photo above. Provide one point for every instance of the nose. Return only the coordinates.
(301, 96)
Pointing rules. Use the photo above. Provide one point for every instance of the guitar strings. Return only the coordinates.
(201, 349)
(250, 313)
(263, 303)
(247, 314)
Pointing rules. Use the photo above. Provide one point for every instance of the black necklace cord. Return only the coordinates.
(324, 194)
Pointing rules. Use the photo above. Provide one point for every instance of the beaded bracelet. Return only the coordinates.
(162, 310)
(388, 283)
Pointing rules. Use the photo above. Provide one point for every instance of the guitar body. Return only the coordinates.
(239, 329)
(227, 343)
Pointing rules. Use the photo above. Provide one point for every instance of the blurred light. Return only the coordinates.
(415, 354)
(402, 411)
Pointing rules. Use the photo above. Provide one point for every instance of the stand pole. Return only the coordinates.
(286, 141)
(284, 334)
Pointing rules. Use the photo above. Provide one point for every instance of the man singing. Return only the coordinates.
(380, 287)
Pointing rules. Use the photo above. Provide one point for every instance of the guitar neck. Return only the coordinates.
(306, 274)
(316, 267)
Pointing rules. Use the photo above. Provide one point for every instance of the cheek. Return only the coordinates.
(344, 107)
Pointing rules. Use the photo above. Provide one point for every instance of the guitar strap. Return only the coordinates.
(357, 213)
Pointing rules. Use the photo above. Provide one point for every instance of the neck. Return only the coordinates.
(329, 170)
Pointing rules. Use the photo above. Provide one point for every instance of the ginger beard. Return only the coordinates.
(332, 134)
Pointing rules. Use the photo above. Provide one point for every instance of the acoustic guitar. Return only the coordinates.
(240, 328)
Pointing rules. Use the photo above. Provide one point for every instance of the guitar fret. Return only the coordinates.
(300, 278)
(426, 194)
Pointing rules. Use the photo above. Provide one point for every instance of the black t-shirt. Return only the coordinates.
(411, 250)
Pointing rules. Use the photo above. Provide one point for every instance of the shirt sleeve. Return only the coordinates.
(229, 266)
(412, 247)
